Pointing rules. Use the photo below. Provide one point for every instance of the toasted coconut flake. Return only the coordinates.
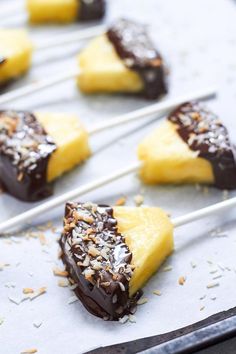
(167, 268)
(157, 292)
(59, 272)
(138, 199)
(28, 291)
(38, 293)
(142, 301)
(132, 318)
(202, 308)
(182, 280)
(213, 285)
(124, 319)
(30, 351)
(121, 201)
(63, 283)
(93, 251)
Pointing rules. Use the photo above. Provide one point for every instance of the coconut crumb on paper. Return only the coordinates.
(28, 291)
(213, 285)
(167, 268)
(132, 318)
(60, 272)
(38, 293)
(29, 351)
(138, 199)
(142, 301)
(157, 292)
(121, 201)
(193, 264)
(4, 265)
(63, 283)
(123, 319)
(37, 324)
(182, 280)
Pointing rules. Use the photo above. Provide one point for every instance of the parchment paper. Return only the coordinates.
(198, 40)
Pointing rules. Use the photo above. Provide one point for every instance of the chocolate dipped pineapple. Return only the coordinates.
(110, 253)
(35, 149)
(123, 60)
(15, 54)
(65, 11)
(191, 146)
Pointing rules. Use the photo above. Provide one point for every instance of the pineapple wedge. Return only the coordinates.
(65, 11)
(61, 11)
(101, 70)
(123, 60)
(71, 140)
(110, 253)
(192, 146)
(15, 54)
(35, 149)
(167, 158)
(148, 233)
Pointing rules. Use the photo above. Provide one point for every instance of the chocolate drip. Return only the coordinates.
(97, 260)
(204, 132)
(136, 49)
(92, 9)
(25, 149)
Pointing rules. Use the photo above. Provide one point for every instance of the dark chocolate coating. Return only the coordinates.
(92, 9)
(135, 48)
(204, 132)
(25, 149)
(102, 275)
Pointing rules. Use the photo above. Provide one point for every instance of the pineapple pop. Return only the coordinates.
(110, 253)
(34, 150)
(15, 54)
(192, 146)
(65, 11)
(123, 60)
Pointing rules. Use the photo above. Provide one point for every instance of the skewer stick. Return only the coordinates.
(77, 192)
(37, 86)
(204, 212)
(68, 38)
(156, 108)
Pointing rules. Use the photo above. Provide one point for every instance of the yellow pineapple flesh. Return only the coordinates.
(57, 11)
(166, 158)
(101, 70)
(71, 139)
(148, 233)
(16, 48)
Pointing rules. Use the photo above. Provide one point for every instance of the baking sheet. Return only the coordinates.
(198, 40)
